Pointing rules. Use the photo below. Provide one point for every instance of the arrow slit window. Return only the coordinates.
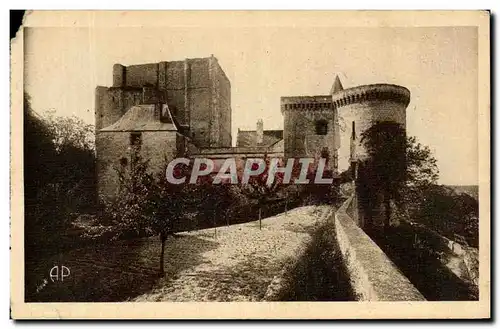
(321, 127)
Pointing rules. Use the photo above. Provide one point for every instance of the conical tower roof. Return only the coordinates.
(337, 85)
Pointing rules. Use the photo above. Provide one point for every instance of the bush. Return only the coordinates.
(59, 178)
(453, 215)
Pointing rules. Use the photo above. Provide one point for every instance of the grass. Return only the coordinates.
(321, 274)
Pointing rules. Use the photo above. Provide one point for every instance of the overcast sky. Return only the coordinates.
(438, 65)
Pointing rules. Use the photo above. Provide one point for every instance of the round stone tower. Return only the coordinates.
(361, 107)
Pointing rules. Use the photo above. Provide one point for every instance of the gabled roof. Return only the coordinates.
(248, 138)
(144, 118)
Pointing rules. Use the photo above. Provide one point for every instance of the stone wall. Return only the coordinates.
(110, 148)
(173, 78)
(374, 277)
(112, 103)
(221, 104)
(141, 75)
(200, 120)
(114, 146)
(240, 154)
(302, 116)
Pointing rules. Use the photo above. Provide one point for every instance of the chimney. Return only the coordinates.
(260, 131)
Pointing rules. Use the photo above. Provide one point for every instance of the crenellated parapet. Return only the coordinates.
(375, 92)
(304, 103)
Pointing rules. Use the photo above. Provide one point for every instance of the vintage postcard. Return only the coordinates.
(250, 165)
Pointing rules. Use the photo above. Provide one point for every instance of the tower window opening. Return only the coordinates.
(123, 162)
(135, 143)
(135, 139)
(325, 153)
(321, 127)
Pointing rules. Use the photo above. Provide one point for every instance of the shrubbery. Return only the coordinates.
(59, 177)
(453, 215)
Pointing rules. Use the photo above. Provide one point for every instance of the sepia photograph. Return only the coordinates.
(305, 164)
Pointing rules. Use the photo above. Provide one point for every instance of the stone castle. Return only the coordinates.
(183, 108)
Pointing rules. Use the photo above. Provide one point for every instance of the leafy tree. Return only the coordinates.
(450, 214)
(72, 131)
(421, 171)
(74, 143)
(41, 212)
(131, 211)
(172, 202)
(148, 203)
(259, 190)
(396, 168)
(213, 200)
(39, 152)
(59, 177)
(468, 212)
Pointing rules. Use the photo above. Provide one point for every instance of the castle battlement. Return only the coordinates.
(374, 92)
(320, 102)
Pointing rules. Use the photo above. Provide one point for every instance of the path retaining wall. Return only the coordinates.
(373, 276)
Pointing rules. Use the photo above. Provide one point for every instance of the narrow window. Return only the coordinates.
(321, 127)
(325, 153)
(353, 130)
(123, 162)
(135, 143)
(135, 139)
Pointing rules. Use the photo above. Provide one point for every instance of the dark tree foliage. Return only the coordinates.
(59, 176)
(404, 180)
(396, 168)
(41, 211)
(75, 168)
(422, 172)
(259, 189)
(451, 214)
(39, 152)
(215, 200)
(171, 204)
(132, 209)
